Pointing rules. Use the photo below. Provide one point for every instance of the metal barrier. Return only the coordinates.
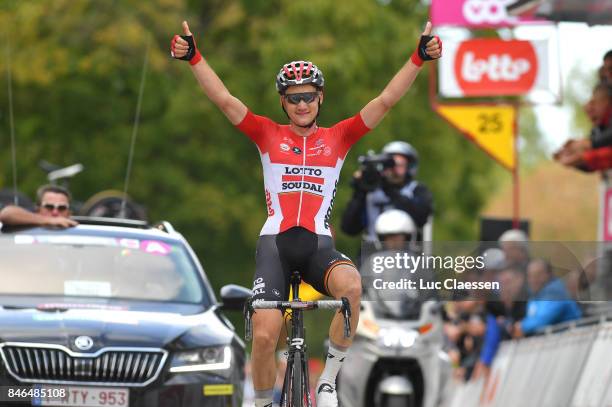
(467, 394)
(570, 368)
(499, 374)
(596, 379)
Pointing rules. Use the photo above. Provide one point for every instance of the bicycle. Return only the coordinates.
(296, 389)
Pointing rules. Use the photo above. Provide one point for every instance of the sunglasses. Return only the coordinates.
(59, 207)
(296, 98)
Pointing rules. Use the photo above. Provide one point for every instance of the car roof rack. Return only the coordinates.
(91, 220)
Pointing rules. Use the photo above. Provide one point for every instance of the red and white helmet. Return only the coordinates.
(298, 73)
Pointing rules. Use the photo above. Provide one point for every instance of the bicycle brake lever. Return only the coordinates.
(346, 312)
(248, 313)
(346, 306)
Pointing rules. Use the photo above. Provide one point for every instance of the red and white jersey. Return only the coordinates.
(301, 173)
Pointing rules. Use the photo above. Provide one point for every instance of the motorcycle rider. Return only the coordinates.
(395, 229)
(395, 234)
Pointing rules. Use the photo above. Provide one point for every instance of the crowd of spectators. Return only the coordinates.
(532, 296)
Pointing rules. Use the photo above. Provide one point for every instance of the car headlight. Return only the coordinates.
(397, 337)
(210, 358)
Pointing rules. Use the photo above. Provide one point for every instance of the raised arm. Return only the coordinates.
(429, 48)
(184, 47)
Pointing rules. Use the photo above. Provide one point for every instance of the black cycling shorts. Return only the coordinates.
(277, 256)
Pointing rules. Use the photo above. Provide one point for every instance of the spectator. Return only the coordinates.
(52, 209)
(574, 283)
(502, 313)
(494, 262)
(595, 152)
(607, 67)
(398, 190)
(601, 74)
(515, 245)
(549, 302)
(581, 281)
(465, 331)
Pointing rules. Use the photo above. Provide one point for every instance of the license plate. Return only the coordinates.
(84, 397)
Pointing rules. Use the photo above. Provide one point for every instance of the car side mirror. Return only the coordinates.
(234, 296)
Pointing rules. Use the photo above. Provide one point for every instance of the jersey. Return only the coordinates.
(301, 173)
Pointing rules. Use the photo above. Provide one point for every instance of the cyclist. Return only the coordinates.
(301, 163)
(52, 209)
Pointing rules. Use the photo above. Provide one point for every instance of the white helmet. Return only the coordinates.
(394, 221)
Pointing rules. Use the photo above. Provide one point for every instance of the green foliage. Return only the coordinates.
(578, 91)
(532, 147)
(77, 66)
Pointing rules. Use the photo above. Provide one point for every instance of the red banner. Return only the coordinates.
(492, 67)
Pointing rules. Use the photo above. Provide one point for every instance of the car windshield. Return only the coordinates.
(73, 265)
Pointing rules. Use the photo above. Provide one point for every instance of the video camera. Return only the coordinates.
(372, 167)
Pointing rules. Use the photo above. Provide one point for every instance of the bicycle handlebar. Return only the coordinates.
(303, 305)
(343, 305)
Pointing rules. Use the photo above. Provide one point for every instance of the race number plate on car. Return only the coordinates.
(86, 397)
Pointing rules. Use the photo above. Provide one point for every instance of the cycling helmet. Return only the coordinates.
(393, 222)
(298, 73)
(405, 149)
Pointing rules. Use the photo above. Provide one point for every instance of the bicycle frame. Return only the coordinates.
(297, 356)
(296, 389)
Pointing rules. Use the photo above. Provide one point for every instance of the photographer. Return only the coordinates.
(386, 181)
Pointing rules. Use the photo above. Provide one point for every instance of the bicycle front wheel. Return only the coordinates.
(297, 381)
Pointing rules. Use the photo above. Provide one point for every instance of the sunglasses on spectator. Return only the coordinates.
(295, 98)
(59, 207)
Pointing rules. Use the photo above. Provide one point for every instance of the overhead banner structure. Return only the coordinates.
(491, 127)
(592, 12)
(474, 13)
(494, 67)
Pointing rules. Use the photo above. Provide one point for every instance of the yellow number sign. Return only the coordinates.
(491, 127)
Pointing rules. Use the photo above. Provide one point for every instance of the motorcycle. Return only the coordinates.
(397, 356)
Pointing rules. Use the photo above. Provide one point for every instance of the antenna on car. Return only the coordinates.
(122, 212)
(11, 121)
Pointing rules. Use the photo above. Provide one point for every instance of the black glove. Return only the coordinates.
(423, 47)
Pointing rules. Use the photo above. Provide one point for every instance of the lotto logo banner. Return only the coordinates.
(474, 13)
(493, 67)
